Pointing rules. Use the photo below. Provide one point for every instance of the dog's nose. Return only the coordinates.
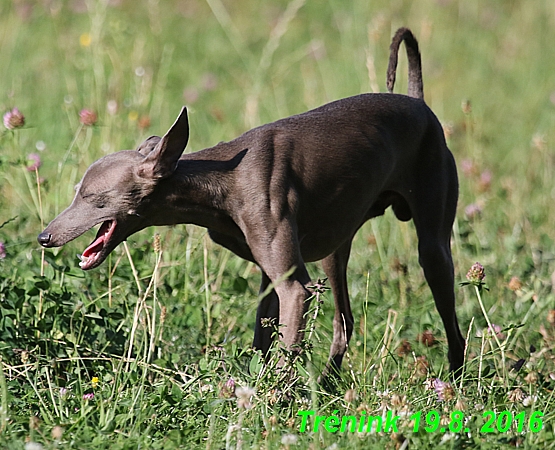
(44, 239)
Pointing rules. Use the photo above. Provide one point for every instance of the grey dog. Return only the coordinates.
(290, 192)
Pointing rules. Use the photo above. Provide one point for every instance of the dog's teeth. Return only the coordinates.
(83, 259)
(80, 257)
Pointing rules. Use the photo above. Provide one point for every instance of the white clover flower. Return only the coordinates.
(529, 400)
(244, 395)
(33, 446)
(289, 439)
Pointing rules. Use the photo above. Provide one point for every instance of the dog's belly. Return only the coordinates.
(319, 243)
(316, 248)
(237, 244)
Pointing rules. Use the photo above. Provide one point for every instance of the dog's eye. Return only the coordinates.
(100, 201)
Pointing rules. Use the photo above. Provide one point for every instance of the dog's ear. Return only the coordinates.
(161, 161)
(148, 145)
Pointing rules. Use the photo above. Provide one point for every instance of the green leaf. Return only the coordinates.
(256, 364)
(240, 285)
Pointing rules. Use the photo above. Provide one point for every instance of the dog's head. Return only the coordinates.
(115, 192)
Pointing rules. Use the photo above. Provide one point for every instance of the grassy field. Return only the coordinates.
(151, 350)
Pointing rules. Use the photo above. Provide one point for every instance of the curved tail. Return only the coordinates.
(416, 88)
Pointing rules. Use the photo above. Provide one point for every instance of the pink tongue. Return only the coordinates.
(98, 243)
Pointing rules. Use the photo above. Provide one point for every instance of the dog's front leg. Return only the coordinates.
(293, 305)
(267, 316)
(277, 256)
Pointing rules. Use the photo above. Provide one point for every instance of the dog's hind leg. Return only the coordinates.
(435, 259)
(335, 266)
(433, 206)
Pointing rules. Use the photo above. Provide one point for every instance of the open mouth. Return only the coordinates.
(94, 253)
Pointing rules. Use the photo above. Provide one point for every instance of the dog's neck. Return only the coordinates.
(195, 193)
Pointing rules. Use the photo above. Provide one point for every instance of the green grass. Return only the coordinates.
(163, 330)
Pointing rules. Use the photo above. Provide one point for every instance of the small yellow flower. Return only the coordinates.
(85, 40)
(95, 382)
(133, 116)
